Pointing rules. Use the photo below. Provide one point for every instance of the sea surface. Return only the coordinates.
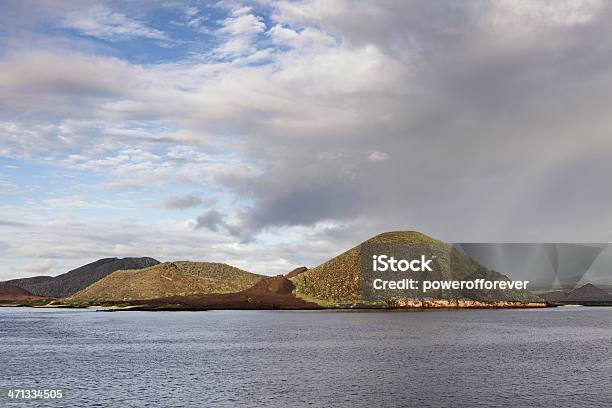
(558, 357)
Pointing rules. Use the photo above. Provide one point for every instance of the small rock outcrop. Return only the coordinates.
(296, 272)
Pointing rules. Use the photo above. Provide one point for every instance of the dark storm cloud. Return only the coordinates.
(503, 111)
(303, 205)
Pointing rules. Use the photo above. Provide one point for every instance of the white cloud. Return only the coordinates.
(6, 186)
(39, 267)
(240, 31)
(194, 19)
(513, 18)
(308, 11)
(377, 156)
(78, 201)
(242, 22)
(191, 11)
(308, 37)
(102, 22)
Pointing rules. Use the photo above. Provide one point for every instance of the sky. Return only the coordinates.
(274, 134)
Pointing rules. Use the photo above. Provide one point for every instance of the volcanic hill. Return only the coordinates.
(556, 296)
(337, 281)
(71, 282)
(12, 293)
(586, 293)
(589, 292)
(6, 289)
(166, 280)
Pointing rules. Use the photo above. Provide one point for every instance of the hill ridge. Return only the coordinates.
(68, 283)
(338, 280)
(168, 279)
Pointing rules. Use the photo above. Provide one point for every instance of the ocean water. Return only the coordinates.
(517, 358)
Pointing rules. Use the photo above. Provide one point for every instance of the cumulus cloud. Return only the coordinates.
(239, 32)
(308, 36)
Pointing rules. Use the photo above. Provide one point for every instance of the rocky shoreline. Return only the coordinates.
(271, 293)
(465, 304)
(284, 303)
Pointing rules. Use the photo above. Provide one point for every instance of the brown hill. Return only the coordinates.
(556, 296)
(71, 282)
(167, 280)
(586, 293)
(6, 289)
(269, 293)
(338, 281)
(13, 293)
(589, 292)
(26, 283)
(278, 285)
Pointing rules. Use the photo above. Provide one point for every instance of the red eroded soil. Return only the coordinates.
(269, 293)
(278, 285)
(12, 293)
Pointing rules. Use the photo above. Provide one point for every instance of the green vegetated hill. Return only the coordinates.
(338, 281)
(166, 280)
(71, 282)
